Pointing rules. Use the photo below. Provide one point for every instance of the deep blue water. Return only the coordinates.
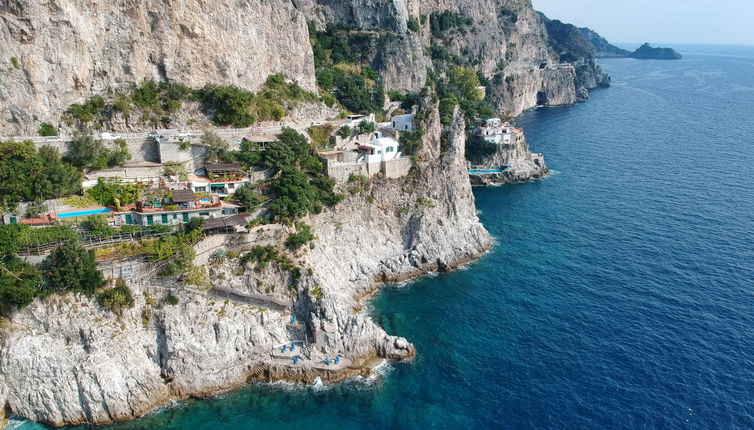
(619, 295)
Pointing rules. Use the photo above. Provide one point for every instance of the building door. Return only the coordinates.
(164, 218)
(185, 217)
(150, 219)
(129, 219)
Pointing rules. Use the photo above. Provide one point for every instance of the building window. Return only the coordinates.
(231, 186)
(389, 149)
(200, 189)
(203, 213)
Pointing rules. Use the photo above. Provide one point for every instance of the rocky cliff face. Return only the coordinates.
(59, 52)
(603, 48)
(65, 360)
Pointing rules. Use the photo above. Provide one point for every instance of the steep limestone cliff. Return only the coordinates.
(59, 52)
(65, 360)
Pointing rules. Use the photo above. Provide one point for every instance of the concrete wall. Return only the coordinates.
(396, 168)
(132, 269)
(140, 149)
(171, 152)
(127, 172)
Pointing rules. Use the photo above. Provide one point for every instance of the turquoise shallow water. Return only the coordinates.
(620, 292)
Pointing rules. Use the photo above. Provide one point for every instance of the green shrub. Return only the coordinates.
(194, 224)
(41, 235)
(440, 23)
(46, 129)
(447, 106)
(261, 255)
(425, 202)
(86, 152)
(45, 176)
(366, 127)
(411, 141)
(302, 236)
(19, 281)
(413, 24)
(196, 275)
(130, 229)
(146, 316)
(15, 63)
(217, 147)
(344, 132)
(170, 300)
(478, 149)
(97, 226)
(320, 134)
(230, 104)
(108, 191)
(84, 113)
(116, 299)
(70, 267)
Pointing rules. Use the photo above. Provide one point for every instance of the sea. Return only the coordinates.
(619, 293)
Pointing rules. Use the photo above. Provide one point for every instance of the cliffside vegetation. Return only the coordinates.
(341, 57)
(154, 103)
(91, 154)
(28, 174)
(69, 268)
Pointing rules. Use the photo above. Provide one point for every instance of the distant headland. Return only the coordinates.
(646, 52)
(605, 49)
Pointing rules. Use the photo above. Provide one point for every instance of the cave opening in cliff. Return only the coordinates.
(541, 98)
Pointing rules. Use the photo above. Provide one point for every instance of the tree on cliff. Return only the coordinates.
(28, 174)
(217, 147)
(19, 281)
(70, 267)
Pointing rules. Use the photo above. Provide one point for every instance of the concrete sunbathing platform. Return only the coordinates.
(308, 357)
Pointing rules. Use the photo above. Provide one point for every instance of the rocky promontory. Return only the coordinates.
(65, 360)
(647, 52)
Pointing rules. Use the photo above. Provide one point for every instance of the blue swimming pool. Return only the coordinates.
(83, 212)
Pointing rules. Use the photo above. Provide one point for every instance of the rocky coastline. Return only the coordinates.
(64, 360)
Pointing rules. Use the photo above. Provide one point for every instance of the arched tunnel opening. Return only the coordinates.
(541, 98)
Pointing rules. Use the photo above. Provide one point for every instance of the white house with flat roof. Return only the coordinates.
(380, 149)
(402, 122)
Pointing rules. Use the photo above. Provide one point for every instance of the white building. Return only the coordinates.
(381, 149)
(495, 130)
(402, 122)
